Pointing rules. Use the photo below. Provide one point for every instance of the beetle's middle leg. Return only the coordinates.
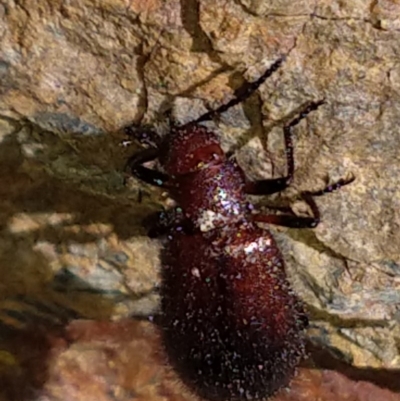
(293, 221)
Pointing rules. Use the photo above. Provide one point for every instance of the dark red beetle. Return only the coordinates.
(231, 325)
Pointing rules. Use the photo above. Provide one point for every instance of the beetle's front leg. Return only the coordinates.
(134, 166)
(143, 134)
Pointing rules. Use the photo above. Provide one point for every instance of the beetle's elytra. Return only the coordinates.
(231, 325)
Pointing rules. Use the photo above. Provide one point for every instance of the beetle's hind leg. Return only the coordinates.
(287, 220)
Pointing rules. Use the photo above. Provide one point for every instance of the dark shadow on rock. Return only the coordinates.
(28, 353)
(37, 302)
(323, 359)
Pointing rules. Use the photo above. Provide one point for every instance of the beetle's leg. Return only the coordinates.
(286, 220)
(330, 188)
(241, 94)
(267, 187)
(163, 222)
(135, 167)
(143, 134)
(303, 222)
(270, 186)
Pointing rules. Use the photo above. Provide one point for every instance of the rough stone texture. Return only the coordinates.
(123, 361)
(73, 73)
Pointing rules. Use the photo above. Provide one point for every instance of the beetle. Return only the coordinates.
(231, 325)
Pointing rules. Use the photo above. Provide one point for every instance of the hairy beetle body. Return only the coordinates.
(231, 325)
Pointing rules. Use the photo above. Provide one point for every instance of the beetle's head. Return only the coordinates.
(189, 149)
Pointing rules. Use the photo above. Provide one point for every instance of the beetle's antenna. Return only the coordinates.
(242, 94)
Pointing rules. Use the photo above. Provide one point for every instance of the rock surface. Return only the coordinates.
(123, 361)
(73, 73)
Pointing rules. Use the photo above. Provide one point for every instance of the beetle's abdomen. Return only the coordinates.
(232, 325)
